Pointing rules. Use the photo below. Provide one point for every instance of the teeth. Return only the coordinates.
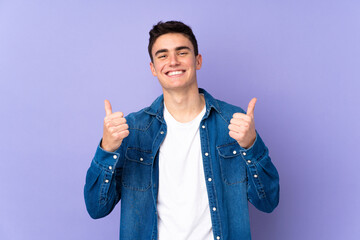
(174, 73)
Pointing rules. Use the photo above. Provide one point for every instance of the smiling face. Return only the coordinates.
(174, 62)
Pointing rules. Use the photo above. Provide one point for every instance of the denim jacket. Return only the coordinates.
(233, 175)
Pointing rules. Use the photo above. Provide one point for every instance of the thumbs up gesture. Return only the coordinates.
(242, 126)
(115, 129)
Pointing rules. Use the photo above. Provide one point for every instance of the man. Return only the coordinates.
(185, 167)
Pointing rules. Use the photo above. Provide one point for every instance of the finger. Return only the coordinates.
(123, 134)
(241, 115)
(120, 128)
(108, 109)
(251, 107)
(236, 128)
(235, 135)
(115, 122)
(115, 115)
(241, 121)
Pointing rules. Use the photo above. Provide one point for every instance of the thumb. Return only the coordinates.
(108, 109)
(251, 107)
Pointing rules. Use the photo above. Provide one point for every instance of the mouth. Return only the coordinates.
(175, 73)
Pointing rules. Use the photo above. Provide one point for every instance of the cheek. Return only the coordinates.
(159, 67)
(155, 69)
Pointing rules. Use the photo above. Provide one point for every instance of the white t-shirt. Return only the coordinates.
(182, 204)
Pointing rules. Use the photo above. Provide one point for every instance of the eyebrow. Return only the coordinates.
(176, 49)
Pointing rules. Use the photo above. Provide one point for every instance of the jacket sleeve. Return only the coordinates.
(263, 178)
(102, 189)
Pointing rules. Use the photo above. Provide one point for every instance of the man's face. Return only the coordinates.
(174, 61)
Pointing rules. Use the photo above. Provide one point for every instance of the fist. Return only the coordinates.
(115, 129)
(242, 126)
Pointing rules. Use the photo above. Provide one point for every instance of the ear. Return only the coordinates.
(198, 60)
(152, 68)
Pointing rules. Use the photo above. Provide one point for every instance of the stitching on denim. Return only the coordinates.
(143, 129)
(139, 150)
(228, 158)
(226, 145)
(141, 189)
(259, 187)
(227, 121)
(144, 189)
(223, 175)
(212, 186)
(104, 189)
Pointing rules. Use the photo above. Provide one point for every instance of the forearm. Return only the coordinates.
(263, 178)
(101, 191)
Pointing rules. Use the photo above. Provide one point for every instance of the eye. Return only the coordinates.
(182, 53)
(161, 56)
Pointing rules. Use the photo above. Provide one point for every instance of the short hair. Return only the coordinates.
(162, 28)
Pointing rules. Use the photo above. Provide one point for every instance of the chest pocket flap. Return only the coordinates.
(138, 155)
(233, 169)
(229, 150)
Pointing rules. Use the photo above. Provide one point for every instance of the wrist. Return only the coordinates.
(108, 147)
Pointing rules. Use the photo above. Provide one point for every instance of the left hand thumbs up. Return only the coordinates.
(242, 126)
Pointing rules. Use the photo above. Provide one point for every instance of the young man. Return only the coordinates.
(185, 167)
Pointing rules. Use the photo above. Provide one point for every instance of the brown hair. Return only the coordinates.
(162, 28)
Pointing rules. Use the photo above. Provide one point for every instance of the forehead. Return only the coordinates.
(170, 41)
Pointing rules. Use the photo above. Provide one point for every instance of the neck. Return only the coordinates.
(184, 105)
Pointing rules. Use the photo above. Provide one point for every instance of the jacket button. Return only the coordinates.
(218, 237)
(162, 132)
(206, 154)
(115, 157)
(234, 152)
(244, 153)
(255, 176)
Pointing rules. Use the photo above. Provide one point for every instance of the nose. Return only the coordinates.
(173, 60)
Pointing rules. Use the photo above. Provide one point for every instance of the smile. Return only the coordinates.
(175, 73)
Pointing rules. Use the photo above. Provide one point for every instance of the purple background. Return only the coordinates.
(59, 60)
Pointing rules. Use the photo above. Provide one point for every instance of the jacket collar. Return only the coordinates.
(157, 107)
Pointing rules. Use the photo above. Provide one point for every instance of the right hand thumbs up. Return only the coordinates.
(115, 129)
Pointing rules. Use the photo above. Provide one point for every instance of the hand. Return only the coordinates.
(115, 129)
(242, 126)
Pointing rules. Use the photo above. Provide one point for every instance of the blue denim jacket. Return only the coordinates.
(233, 175)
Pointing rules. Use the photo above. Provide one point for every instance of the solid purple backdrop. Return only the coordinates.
(59, 60)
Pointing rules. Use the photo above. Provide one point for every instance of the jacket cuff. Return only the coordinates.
(255, 152)
(106, 159)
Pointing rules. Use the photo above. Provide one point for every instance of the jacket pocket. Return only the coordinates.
(137, 169)
(233, 169)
